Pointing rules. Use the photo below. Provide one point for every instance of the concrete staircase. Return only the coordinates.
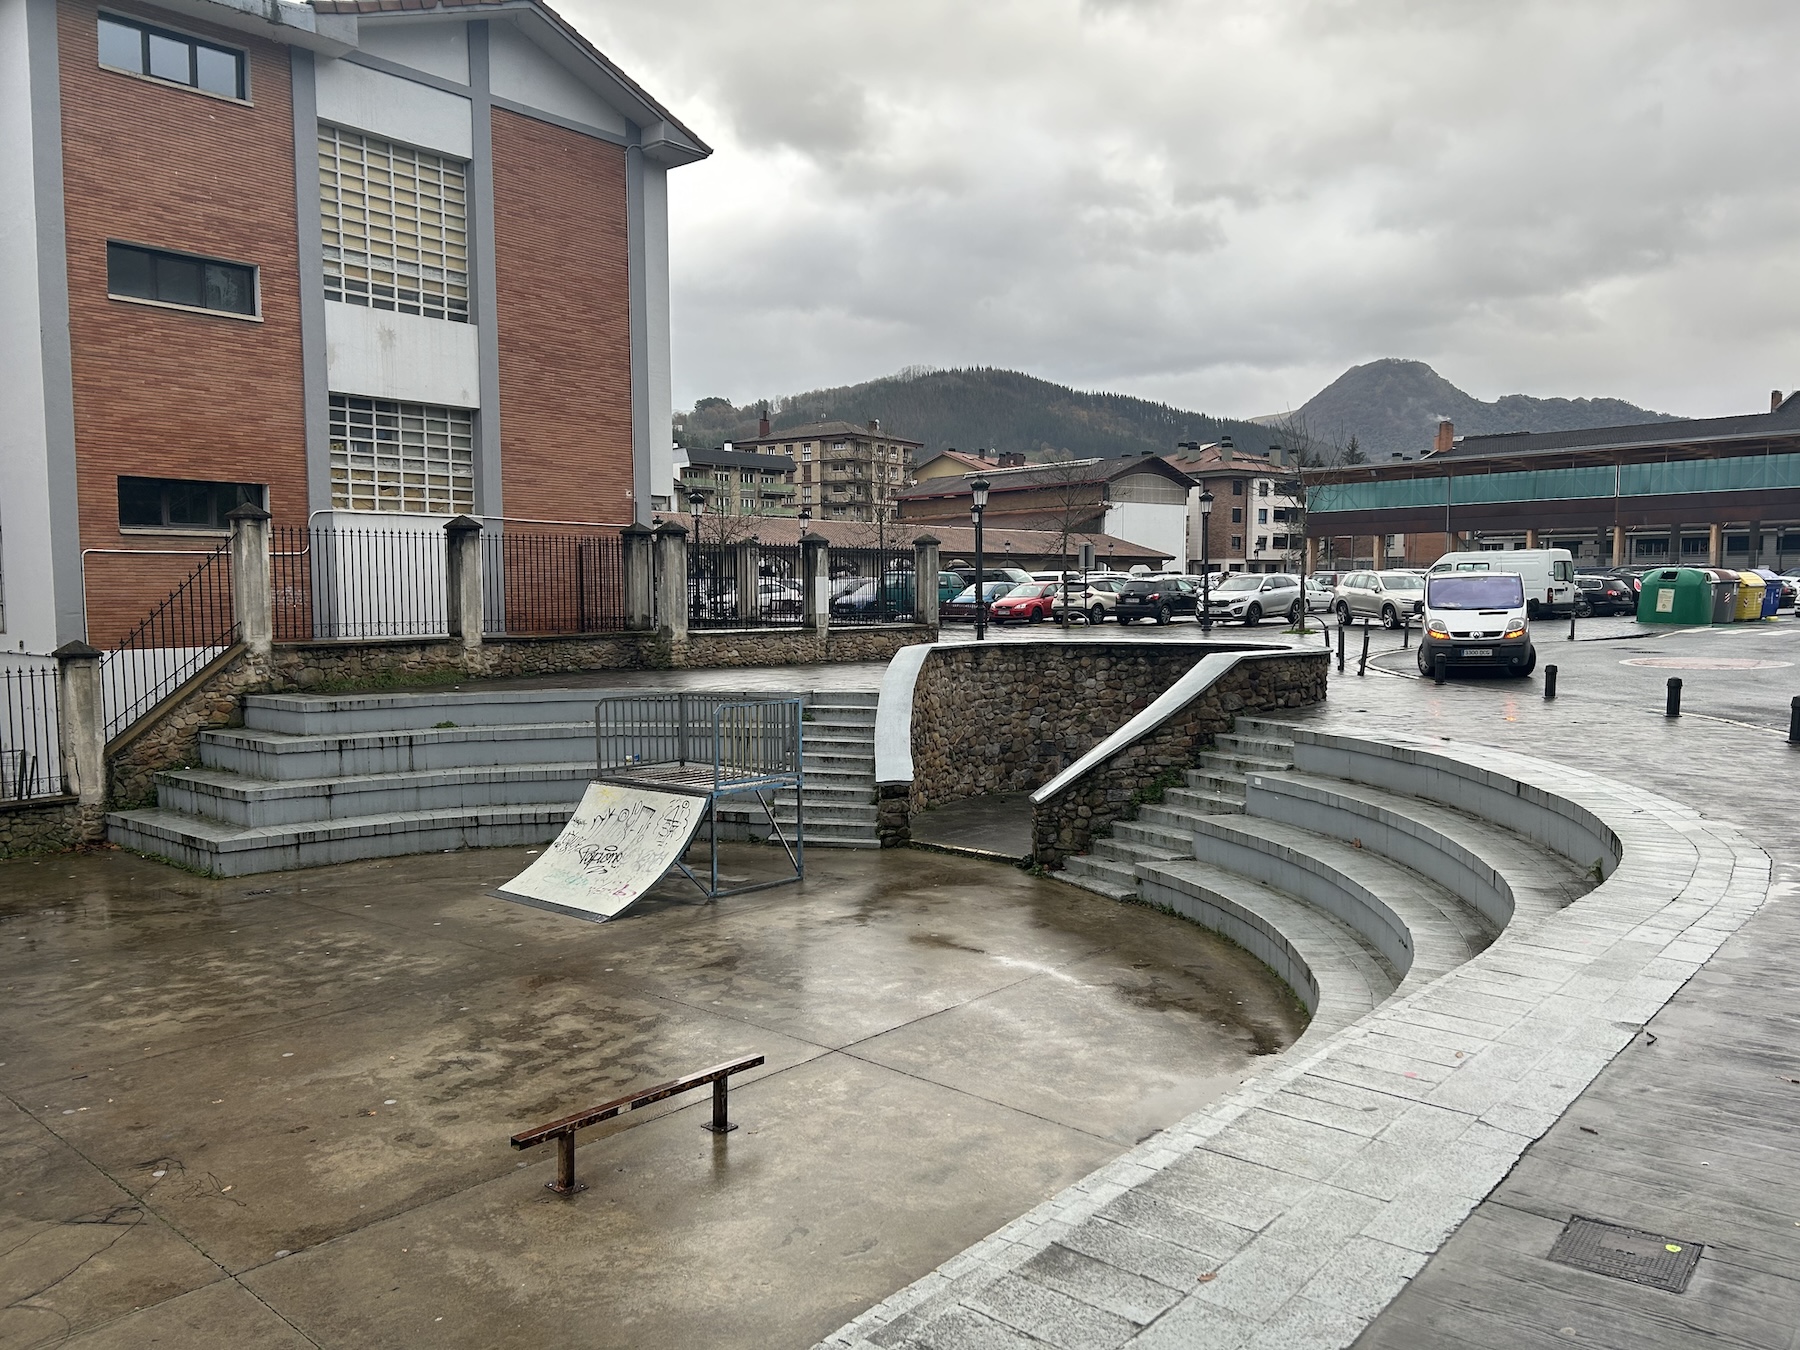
(1164, 831)
(313, 780)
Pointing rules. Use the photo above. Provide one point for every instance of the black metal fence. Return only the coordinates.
(30, 749)
(548, 583)
(177, 640)
(767, 595)
(873, 585)
(332, 582)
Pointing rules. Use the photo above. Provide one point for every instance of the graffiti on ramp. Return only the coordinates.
(617, 845)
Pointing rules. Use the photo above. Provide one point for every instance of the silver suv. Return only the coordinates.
(1388, 596)
(1252, 597)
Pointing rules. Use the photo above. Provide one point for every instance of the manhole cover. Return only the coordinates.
(1704, 663)
(1627, 1254)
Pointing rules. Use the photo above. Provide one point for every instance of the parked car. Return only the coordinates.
(992, 573)
(1159, 598)
(1388, 596)
(1028, 602)
(962, 608)
(1320, 598)
(1251, 597)
(1092, 602)
(1477, 619)
(895, 594)
(1605, 595)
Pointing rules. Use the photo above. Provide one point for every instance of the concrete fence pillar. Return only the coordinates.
(252, 582)
(81, 721)
(815, 572)
(672, 581)
(747, 562)
(638, 543)
(463, 587)
(925, 575)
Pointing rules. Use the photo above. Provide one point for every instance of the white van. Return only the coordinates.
(1548, 573)
(1476, 619)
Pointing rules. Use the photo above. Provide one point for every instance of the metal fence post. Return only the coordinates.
(638, 543)
(462, 590)
(672, 581)
(925, 579)
(81, 721)
(748, 564)
(815, 570)
(252, 587)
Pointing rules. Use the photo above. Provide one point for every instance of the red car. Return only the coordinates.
(1028, 602)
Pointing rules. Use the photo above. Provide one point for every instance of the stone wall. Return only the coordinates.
(169, 737)
(1066, 823)
(48, 825)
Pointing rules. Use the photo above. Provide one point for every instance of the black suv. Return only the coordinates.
(1605, 594)
(1159, 598)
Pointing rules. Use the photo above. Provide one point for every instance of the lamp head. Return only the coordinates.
(1206, 501)
(696, 504)
(979, 488)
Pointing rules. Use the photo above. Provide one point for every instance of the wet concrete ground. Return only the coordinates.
(994, 826)
(275, 1111)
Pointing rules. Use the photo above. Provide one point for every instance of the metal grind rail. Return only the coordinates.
(717, 746)
(563, 1131)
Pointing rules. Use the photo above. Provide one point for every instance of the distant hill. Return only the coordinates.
(1392, 405)
(969, 409)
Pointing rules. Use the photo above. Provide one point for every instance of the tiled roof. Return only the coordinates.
(1784, 421)
(741, 459)
(818, 431)
(957, 541)
(1053, 475)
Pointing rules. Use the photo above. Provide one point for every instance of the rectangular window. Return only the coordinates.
(1237, 541)
(134, 273)
(1262, 515)
(1237, 487)
(395, 227)
(409, 457)
(126, 44)
(1237, 515)
(1262, 487)
(183, 504)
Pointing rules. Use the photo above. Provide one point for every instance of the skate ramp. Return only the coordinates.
(619, 843)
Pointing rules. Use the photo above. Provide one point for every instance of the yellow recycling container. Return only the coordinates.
(1750, 596)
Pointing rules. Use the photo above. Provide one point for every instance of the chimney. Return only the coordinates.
(981, 452)
(875, 426)
(1446, 436)
(1774, 399)
(762, 424)
(1277, 455)
(726, 447)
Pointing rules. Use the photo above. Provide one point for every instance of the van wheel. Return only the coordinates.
(1389, 618)
(1253, 615)
(1531, 609)
(1424, 664)
(1343, 613)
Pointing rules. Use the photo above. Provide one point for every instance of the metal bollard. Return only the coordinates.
(1794, 721)
(1325, 635)
(1340, 645)
(1440, 665)
(1362, 665)
(1549, 682)
(1673, 707)
(1405, 631)
(1571, 625)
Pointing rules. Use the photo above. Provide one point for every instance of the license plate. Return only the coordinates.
(1478, 651)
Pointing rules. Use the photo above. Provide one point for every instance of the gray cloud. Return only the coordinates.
(1225, 202)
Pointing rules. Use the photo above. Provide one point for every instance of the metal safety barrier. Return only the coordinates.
(563, 1131)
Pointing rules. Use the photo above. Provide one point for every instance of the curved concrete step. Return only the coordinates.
(282, 757)
(233, 799)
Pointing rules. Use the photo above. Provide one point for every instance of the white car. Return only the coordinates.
(1251, 597)
(1093, 602)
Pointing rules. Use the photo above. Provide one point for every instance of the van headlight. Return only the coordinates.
(1515, 629)
(1436, 629)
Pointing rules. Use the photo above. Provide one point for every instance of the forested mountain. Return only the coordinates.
(998, 409)
(1394, 405)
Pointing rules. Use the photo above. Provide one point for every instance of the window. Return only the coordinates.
(134, 273)
(1262, 487)
(1237, 541)
(409, 457)
(1237, 515)
(128, 45)
(182, 504)
(394, 222)
(1262, 515)
(806, 451)
(1262, 542)
(1237, 487)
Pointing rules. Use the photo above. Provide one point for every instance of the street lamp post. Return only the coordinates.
(1206, 503)
(978, 489)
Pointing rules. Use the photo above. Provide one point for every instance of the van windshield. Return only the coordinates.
(1471, 590)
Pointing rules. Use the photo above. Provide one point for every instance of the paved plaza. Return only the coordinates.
(273, 1111)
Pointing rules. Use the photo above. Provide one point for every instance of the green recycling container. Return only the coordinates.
(1677, 595)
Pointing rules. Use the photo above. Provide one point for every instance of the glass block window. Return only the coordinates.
(395, 226)
(409, 457)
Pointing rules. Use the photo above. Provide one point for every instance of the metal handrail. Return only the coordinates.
(563, 1131)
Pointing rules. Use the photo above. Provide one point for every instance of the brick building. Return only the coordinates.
(735, 482)
(358, 260)
(1257, 523)
(843, 471)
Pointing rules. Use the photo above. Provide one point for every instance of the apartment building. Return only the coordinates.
(353, 260)
(843, 471)
(1257, 522)
(734, 482)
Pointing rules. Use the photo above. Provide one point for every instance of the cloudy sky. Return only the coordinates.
(1224, 203)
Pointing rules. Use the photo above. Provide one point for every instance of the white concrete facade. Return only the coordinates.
(1155, 525)
(378, 354)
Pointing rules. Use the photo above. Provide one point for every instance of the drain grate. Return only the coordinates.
(1627, 1254)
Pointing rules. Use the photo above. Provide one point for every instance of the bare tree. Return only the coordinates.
(1065, 487)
